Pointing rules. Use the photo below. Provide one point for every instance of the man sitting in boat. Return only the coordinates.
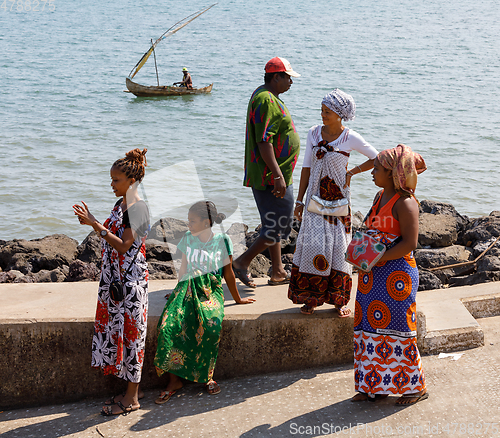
(186, 80)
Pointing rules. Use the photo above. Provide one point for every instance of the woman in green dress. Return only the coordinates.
(189, 327)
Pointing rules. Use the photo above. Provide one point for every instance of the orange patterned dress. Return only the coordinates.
(386, 357)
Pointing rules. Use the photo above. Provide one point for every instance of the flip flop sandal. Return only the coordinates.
(307, 310)
(286, 280)
(165, 396)
(125, 410)
(244, 277)
(418, 398)
(212, 387)
(346, 310)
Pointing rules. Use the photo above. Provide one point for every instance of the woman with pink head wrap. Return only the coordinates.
(405, 166)
(386, 357)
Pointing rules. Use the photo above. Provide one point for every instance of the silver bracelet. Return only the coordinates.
(277, 177)
(300, 203)
(360, 171)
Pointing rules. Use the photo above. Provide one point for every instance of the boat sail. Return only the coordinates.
(148, 91)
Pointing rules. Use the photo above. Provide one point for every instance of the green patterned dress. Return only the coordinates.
(189, 327)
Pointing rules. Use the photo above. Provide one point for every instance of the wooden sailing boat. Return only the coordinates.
(167, 90)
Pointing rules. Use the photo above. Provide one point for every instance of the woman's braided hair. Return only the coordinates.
(207, 210)
(133, 165)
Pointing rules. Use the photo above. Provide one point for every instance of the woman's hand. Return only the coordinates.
(348, 177)
(246, 301)
(84, 215)
(299, 210)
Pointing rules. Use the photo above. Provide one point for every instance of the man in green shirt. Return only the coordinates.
(272, 147)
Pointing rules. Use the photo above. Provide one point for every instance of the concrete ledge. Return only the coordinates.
(483, 306)
(450, 323)
(46, 334)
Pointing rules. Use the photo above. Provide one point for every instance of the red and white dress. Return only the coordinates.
(120, 327)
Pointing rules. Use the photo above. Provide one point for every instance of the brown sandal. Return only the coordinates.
(165, 396)
(212, 387)
(307, 310)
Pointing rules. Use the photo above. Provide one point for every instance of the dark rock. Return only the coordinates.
(57, 275)
(163, 252)
(34, 255)
(89, 251)
(478, 277)
(287, 260)
(437, 257)
(238, 249)
(428, 280)
(251, 237)
(26, 279)
(482, 229)
(435, 207)
(81, 271)
(445, 274)
(445, 209)
(357, 221)
(237, 233)
(169, 230)
(488, 263)
(10, 276)
(437, 231)
(480, 247)
(236, 229)
(288, 245)
(162, 270)
(259, 266)
(296, 224)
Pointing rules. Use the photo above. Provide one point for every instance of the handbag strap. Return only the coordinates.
(110, 248)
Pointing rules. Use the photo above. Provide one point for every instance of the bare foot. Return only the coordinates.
(119, 398)
(119, 408)
(343, 311)
(169, 391)
(360, 396)
(126, 404)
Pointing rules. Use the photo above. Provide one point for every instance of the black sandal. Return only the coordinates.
(244, 277)
(108, 410)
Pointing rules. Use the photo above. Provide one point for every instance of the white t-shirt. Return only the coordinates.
(348, 141)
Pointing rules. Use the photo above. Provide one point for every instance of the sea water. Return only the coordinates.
(422, 73)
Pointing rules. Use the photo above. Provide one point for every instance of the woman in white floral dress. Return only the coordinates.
(120, 326)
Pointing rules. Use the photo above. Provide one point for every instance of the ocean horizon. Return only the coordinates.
(423, 74)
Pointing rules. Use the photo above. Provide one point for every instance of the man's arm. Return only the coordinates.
(266, 150)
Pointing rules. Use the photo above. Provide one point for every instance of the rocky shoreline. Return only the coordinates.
(445, 238)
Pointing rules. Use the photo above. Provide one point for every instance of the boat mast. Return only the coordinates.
(156, 67)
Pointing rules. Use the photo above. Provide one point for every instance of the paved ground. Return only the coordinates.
(463, 402)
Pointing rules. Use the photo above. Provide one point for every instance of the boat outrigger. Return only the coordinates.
(167, 90)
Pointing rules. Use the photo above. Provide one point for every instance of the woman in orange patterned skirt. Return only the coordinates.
(386, 357)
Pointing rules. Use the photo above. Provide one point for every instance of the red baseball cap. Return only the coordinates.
(278, 65)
